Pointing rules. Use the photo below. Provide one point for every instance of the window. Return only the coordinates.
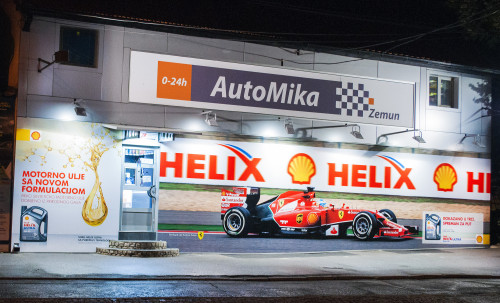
(443, 91)
(81, 45)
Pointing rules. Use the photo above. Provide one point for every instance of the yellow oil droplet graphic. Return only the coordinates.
(95, 213)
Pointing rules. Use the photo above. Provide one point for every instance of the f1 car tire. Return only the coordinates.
(237, 222)
(389, 215)
(364, 226)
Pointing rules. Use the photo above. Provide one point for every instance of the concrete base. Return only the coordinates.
(138, 249)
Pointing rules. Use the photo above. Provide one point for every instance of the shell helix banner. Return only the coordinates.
(189, 82)
(326, 169)
(223, 196)
(66, 193)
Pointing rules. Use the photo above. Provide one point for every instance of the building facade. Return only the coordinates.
(122, 132)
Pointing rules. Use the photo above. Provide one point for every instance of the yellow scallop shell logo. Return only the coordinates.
(35, 136)
(479, 239)
(445, 177)
(301, 168)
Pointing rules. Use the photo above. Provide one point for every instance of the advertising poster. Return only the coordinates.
(202, 179)
(66, 193)
(452, 228)
(327, 169)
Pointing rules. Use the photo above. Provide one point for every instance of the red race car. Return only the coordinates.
(299, 212)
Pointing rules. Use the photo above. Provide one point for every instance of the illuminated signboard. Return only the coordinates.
(207, 84)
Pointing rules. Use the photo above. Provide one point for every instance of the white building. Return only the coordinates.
(428, 111)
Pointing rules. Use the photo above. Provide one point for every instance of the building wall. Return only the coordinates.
(104, 90)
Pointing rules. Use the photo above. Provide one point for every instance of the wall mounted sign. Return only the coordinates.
(216, 85)
(327, 169)
(66, 193)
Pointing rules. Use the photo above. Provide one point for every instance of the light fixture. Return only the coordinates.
(303, 130)
(418, 138)
(59, 56)
(210, 118)
(477, 140)
(356, 132)
(289, 127)
(79, 109)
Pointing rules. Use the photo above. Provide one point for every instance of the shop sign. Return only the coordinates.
(215, 85)
(327, 169)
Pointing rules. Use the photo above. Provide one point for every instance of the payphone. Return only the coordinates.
(139, 209)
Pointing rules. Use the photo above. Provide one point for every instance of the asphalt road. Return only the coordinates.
(222, 243)
(371, 290)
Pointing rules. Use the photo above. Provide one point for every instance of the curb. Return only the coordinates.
(254, 278)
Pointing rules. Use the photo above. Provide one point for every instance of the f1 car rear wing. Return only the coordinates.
(246, 197)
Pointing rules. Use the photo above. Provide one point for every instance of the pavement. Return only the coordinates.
(455, 275)
(482, 263)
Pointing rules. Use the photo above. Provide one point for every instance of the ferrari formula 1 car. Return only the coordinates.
(299, 212)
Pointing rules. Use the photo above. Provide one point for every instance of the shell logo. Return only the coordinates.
(445, 177)
(479, 239)
(301, 168)
(312, 218)
(299, 218)
(26, 218)
(35, 136)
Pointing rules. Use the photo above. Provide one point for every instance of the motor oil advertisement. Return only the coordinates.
(452, 228)
(327, 169)
(66, 193)
(256, 197)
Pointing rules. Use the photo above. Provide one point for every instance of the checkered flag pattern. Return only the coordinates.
(352, 101)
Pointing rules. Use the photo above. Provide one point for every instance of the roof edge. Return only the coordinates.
(242, 36)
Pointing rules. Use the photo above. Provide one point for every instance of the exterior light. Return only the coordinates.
(59, 56)
(210, 118)
(356, 132)
(79, 109)
(289, 127)
(418, 138)
(477, 140)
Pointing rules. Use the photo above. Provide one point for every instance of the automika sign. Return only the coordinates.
(207, 84)
(327, 169)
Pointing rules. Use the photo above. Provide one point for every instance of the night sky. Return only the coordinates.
(464, 32)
